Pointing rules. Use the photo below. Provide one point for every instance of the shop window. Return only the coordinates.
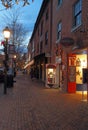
(81, 63)
(77, 14)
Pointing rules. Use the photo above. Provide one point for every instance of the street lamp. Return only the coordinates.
(6, 33)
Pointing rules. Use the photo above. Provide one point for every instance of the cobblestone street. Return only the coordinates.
(31, 106)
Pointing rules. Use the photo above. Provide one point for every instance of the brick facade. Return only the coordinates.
(43, 52)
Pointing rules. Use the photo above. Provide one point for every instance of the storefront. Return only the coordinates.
(50, 75)
(77, 63)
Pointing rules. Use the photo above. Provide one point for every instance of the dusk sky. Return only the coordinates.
(28, 18)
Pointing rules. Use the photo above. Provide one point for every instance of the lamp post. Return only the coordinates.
(6, 33)
(14, 59)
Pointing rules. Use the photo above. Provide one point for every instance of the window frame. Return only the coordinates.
(41, 46)
(59, 3)
(46, 37)
(47, 15)
(59, 28)
(77, 13)
(42, 24)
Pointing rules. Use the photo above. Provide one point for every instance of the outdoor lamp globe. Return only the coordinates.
(6, 33)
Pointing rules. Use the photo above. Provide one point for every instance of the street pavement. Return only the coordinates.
(31, 106)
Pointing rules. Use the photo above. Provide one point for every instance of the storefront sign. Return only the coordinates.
(67, 41)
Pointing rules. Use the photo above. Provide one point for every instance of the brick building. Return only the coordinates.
(60, 37)
(40, 42)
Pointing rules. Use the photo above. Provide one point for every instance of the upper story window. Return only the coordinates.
(47, 14)
(77, 15)
(37, 47)
(46, 37)
(41, 27)
(59, 27)
(41, 46)
(33, 46)
(59, 2)
(38, 31)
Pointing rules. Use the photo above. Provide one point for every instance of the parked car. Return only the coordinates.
(2, 74)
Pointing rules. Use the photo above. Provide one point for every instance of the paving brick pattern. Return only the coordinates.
(31, 106)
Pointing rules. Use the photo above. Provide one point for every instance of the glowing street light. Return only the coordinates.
(6, 33)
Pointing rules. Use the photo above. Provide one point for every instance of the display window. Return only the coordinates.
(76, 64)
(81, 62)
(50, 74)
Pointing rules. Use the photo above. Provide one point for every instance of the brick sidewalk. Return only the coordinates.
(30, 106)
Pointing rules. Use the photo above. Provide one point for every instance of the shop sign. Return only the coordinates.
(67, 41)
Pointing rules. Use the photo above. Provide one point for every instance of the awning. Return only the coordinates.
(50, 66)
(29, 64)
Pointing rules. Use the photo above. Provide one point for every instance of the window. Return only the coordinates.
(41, 27)
(37, 47)
(47, 15)
(41, 46)
(33, 46)
(77, 13)
(59, 2)
(46, 37)
(59, 26)
(38, 31)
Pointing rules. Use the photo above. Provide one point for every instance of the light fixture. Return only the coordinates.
(6, 33)
(14, 56)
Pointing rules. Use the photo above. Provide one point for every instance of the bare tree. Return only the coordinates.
(10, 3)
(18, 31)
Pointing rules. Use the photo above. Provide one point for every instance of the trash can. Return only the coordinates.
(9, 81)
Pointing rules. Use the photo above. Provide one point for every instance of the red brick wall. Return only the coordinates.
(64, 13)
